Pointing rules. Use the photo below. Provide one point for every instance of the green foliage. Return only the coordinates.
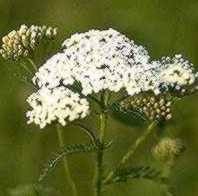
(65, 152)
(128, 116)
(124, 174)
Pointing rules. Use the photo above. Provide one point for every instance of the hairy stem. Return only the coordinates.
(99, 166)
(100, 153)
(131, 151)
(65, 163)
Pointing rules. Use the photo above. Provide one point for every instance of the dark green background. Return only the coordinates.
(165, 27)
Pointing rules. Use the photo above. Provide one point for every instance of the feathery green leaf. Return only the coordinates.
(67, 151)
(128, 116)
(124, 174)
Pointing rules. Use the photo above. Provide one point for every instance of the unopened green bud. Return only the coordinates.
(167, 150)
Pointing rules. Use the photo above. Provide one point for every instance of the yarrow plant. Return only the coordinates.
(103, 70)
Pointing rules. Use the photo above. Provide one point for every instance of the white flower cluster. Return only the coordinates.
(22, 42)
(100, 60)
(108, 60)
(97, 59)
(59, 104)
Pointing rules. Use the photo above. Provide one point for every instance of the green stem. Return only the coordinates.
(26, 68)
(65, 163)
(164, 181)
(95, 100)
(33, 64)
(100, 152)
(99, 166)
(137, 143)
(131, 151)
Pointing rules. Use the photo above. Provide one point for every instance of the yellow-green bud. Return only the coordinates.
(167, 150)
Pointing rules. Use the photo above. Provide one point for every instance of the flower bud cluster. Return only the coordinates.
(20, 43)
(154, 107)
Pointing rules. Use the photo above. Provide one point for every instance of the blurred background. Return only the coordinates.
(165, 27)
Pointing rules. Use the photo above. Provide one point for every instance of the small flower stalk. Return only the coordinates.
(90, 67)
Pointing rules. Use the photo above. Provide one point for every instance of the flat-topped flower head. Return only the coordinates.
(59, 104)
(20, 43)
(101, 60)
(98, 60)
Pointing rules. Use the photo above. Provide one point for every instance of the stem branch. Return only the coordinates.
(32, 63)
(131, 151)
(88, 132)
